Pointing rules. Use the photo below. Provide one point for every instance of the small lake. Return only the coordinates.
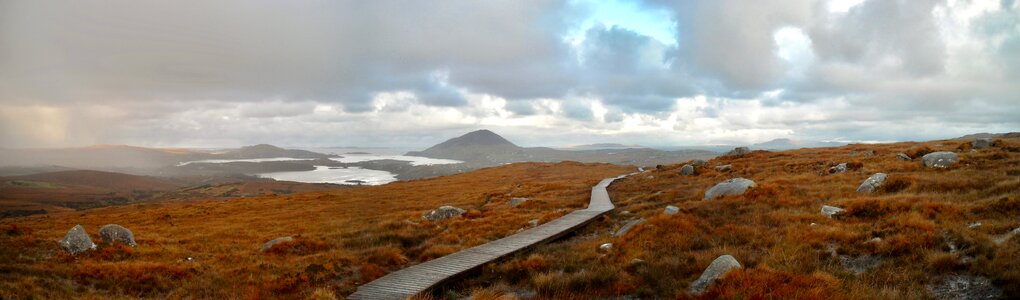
(323, 174)
(414, 160)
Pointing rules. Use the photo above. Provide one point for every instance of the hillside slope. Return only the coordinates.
(210, 249)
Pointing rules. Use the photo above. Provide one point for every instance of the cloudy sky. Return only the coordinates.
(413, 73)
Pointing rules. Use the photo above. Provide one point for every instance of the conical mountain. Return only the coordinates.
(476, 146)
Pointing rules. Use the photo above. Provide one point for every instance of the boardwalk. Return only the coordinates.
(421, 277)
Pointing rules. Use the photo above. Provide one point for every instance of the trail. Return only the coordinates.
(415, 279)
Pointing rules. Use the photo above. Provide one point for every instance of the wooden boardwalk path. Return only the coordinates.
(422, 277)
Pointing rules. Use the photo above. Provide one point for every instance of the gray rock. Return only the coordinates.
(739, 151)
(872, 183)
(514, 202)
(719, 267)
(724, 168)
(269, 245)
(733, 186)
(628, 226)
(981, 143)
(699, 162)
(442, 213)
(687, 170)
(606, 247)
(533, 223)
(859, 264)
(941, 159)
(77, 241)
(111, 233)
(670, 210)
(974, 225)
(965, 287)
(840, 168)
(831, 211)
(903, 156)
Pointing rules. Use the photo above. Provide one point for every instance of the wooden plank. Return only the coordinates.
(419, 278)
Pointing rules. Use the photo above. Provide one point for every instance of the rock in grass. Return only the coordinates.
(670, 210)
(514, 202)
(724, 168)
(903, 156)
(77, 241)
(831, 211)
(606, 247)
(269, 245)
(111, 233)
(442, 213)
(981, 143)
(698, 162)
(965, 287)
(716, 270)
(872, 183)
(627, 227)
(840, 168)
(734, 186)
(687, 170)
(739, 151)
(533, 223)
(941, 159)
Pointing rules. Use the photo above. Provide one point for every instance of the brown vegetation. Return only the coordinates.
(892, 244)
(342, 238)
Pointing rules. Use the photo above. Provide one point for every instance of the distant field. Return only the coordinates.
(210, 249)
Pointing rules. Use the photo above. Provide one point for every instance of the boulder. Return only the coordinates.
(269, 245)
(514, 202)
(699, 162)
(831, 211)
(724, 168)
(872, 183)
(981, 143)
(719, 267)
(111, 233)
(77, 241)
(442, 213)
(739, 151)
(941, 159)
(733, 186)
(903, 156)
(840, 168)
(687, 170)
(670, 210)
(965, 287)
(627, 227)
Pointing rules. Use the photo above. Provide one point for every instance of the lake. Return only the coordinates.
(324, 174)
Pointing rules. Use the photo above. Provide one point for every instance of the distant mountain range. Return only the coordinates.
(788, 144)
(484, 147)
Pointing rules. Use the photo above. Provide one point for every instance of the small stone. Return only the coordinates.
(840, 168)
(872, 183)
(941, 159)
(442, 213)
(981, 143)
(874, 240)
(77, 241)
(626, 212)
(627, 227)
(974, 225)
(813, 224)
(606, 247)
(724, 168)
(831, 211)
(269, 245)
(699, 162)
(687, 170)
(111, 233)
(670, 210)
(734, 186)
(719, 267)
(533, 223)
(650, 177)
(903, 156)
(514, 202)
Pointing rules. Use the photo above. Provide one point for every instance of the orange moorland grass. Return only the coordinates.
(342, 238)
(891, 244)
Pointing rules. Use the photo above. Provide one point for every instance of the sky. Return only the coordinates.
(197, 73)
